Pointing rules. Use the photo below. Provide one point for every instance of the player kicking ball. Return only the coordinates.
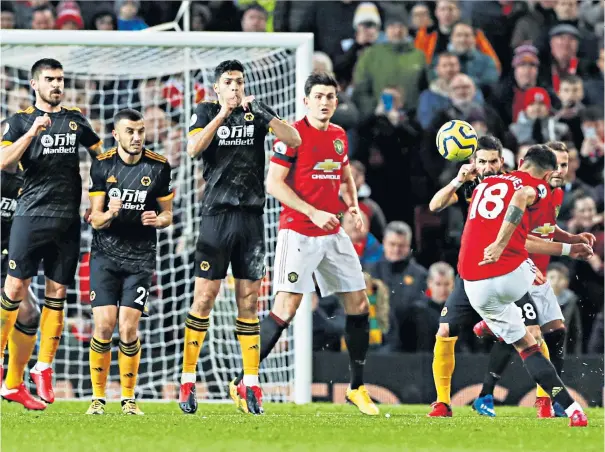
(496, 270)
(45, 139)
(306, 180)
(130, 199)
(548, 312)
(229, 136)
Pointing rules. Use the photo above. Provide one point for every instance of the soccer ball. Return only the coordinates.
(456, 140)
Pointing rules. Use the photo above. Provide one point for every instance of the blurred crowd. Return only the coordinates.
(524, 71)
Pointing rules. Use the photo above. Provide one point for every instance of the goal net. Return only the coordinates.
(163, 75)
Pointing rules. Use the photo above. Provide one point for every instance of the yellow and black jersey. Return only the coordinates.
(51, 164)
(234, 162)
(140, 186)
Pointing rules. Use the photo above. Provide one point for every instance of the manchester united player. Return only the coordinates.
(495, 267)
(548, 312)
(306, 180)
(229, 136)
(45, 138)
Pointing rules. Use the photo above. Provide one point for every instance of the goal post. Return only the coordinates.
(165, 74)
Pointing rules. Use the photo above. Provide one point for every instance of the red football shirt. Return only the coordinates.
(485, 216)
(543, 221)
(315, 173)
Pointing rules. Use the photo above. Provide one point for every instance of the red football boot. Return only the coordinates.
(44, 383)
(188, 398)
(544, 408)
(578, 419)
(21, 395)
(482, 331)
(440, 409)
(251, 398)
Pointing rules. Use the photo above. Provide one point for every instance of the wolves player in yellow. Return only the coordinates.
(45, 139)
(130, 198)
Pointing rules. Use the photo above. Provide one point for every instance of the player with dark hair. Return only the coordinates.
(497, 271)
(548, 312)
(229, 136)
(457, 313)
(44, 139)
(306, 179)
(130, 198)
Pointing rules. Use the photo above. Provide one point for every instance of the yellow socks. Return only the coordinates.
(444, 361)
(22, 340)
(100, 361)
(248, 335)
(51, 329)
(129, 358)
(195, 333)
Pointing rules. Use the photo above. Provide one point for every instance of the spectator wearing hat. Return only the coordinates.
(528, 28)
(563, 56)
(434, 42)
(366, 24)
(254, 19)
(508, 96)
(394, 63)
(535, 123)
(127, 12)
(69, 16)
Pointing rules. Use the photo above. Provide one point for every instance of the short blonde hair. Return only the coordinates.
(441, 268)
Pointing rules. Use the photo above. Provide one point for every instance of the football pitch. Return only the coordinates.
(316, 427)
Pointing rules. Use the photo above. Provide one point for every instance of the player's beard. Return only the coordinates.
(556, 182)
(50, 100)
(131, 150)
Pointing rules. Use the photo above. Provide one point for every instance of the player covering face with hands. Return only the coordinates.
(306, 179)
(131, 198)
(229, 136)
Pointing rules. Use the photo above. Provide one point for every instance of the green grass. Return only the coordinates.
(63, 427)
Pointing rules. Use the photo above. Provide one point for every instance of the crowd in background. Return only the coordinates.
(524, 71)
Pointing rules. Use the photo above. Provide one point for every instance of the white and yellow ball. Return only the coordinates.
(456, 140)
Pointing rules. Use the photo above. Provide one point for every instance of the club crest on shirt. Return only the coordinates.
(73, 125)
(339, 146)
(292, 277)
(146, 181)
(249, 116)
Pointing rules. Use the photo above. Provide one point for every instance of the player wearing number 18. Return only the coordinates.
(130, 197)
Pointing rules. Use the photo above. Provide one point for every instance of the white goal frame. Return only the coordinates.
(301, 43)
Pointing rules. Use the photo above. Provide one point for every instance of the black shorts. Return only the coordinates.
(55, 241)
(459, 314)
(235, 237)
(114, 285)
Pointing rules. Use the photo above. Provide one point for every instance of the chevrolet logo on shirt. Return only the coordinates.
(327, 166)
(544, 230)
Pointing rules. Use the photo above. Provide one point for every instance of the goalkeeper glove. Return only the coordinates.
(257, 109)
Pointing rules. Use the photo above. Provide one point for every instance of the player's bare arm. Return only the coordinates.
(516, 209)
(447, 195)
(349, 195)
(11, 154)
(566, 237)
(278, 188)
(535, 245)
(99, 218)
(161, 220)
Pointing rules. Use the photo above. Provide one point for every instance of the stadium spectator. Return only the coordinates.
(201, 16)
(156, 127)
(69, 16)
(18, 99)
(529, 27)
(593, 83)
(366, 24)
(43, 18)
(571, 94)
(434, 42)
(597, 337)
(104, 20)
(7, 16)
(127, 12)
(508, 96)
(254, 19)
(421, 18)
(558, 276)
(591, 151)
(574, 187)
(367, 246)
(591, 16)
(405, 278)
(267, 5)
(479, 66)
(394, 63)
(436, 96)
(535, 123)
(418, 327)
(294, 17)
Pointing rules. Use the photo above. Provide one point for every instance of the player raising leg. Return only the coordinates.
(306, 180)
(496, 270)
(130, 198)
(44, 139)
(229, 136)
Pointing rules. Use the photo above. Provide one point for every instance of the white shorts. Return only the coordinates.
(331, 258)
(546, 303)
(494, 300)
